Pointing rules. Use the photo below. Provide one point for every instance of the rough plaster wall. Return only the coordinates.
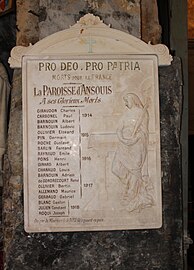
(120, 14)
(27, 22)
(150, 28)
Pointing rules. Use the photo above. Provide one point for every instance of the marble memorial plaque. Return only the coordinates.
(91, 143)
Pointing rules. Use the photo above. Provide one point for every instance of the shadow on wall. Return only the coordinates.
(7, 39)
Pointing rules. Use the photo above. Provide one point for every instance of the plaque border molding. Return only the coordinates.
(90, 26)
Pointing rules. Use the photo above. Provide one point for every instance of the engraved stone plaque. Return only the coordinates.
(91, 143)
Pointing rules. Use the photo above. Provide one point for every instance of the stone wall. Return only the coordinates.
(145, 249)
(122, 15)
(150, 28)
